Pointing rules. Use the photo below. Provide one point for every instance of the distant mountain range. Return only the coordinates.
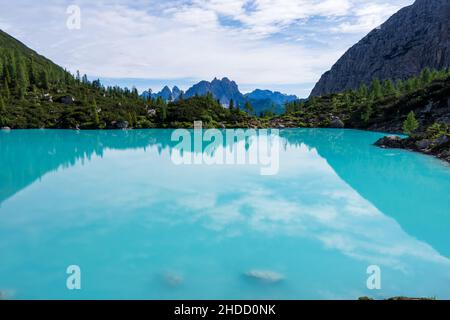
(225, 90)
(263, 100)
(416, 37)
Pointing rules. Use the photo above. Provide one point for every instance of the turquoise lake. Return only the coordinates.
(140, 226)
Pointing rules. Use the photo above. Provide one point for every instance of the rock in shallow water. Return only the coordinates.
(173, 279)
(5, 295)
(265, 276)
(389, 142)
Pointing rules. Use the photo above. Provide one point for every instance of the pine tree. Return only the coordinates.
(410, 86)
(389, 88)
(363, 91)
(312, 103)
(6, 73)
(32, 73)
(411, 124)
(95, 117)
(85, 79)
(2, 112)
(130, 120)
(367, 112)
(2, 105)
(376, 89)
(231, 106)
(6, 92)
(84, 100)
(11, 67)
(43, 79)
(334, 104)
(289, 108)
(348, 101)
(425, 76)
(399, 86)
(21, 78)
(210, 97)
(164, 112)
(416, 83)
(249, 108)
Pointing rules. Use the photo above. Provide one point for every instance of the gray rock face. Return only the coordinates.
(423, 144)
(120, 124)
(336, 123)
(176, 93)
(223, 90)
(442, 141)
(416, 37)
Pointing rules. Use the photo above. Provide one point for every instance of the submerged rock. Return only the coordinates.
(5, 295)
(173, 279)
(265, 276)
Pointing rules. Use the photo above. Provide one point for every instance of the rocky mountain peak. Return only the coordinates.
(416, 37)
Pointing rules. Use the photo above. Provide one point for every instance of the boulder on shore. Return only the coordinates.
(442, 141)
(423, 144)
(337, 123)
(120, 125)
(67, 100)
(390, 142)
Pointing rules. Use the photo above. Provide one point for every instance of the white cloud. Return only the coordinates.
(367, 17)
(189, 39)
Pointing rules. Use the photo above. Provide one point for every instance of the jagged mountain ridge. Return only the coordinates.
(223, 90)
(166, 94)
(226, 90)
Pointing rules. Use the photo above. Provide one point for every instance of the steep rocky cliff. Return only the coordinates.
(416, 37)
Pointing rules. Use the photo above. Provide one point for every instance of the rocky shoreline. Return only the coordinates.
(438, 147)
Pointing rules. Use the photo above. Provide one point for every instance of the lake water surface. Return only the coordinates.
(141, 227)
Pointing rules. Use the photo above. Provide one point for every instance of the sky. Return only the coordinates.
(283, 45)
